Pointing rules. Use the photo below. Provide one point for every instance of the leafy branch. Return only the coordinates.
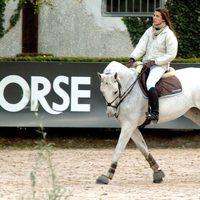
(17, 11)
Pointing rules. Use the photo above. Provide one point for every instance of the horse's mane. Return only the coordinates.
(114, 67)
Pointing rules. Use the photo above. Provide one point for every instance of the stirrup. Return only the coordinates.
(152, 116)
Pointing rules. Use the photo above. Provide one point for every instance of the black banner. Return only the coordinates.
(55, 94)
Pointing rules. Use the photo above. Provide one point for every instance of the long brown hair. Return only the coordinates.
(165, 15)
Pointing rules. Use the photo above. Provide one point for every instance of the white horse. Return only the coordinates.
(127, 102)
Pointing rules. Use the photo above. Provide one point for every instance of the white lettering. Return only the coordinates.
(39, 95)
(25, 96)
(76, 94)
(60, 92)
(40, 88)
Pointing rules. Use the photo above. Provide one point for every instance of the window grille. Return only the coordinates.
(122, 8)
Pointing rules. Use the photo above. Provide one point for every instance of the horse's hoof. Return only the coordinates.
(102, 180)
(158, 176)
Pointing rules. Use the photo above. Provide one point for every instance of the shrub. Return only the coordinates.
(49, 58)
(136, 26)
(185, 17)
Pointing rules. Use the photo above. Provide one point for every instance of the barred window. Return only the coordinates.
(130, 7)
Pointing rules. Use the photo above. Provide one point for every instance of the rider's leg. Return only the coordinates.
(155, 74)
(153, 113)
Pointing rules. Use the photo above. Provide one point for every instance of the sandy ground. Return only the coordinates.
(77, 169)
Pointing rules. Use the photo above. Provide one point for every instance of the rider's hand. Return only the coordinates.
(149, 64)
(130, 62)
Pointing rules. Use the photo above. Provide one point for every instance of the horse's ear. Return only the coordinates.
(115, 75)
(99, 75)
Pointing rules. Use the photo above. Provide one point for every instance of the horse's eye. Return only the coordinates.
(115, 92)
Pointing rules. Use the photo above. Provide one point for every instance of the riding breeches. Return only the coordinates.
(155, 74)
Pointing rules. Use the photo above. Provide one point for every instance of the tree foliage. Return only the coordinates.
(16, 13)
(136, 27)
(2, 10)
(185, 17)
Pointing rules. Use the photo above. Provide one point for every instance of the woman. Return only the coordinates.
(158, 47)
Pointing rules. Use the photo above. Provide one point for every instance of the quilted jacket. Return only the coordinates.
(162, 48)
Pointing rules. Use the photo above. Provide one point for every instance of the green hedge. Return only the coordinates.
(61, 59)
(45, 58)
(136, 26)
(185, 17)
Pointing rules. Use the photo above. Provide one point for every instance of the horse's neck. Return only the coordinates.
(128, 79)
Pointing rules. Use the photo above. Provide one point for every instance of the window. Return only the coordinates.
(121, 8)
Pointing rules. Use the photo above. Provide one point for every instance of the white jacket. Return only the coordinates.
(162, 49)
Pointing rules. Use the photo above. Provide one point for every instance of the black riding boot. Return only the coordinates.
(153, 113)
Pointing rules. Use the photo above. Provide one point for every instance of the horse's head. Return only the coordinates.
(117, 82)
(113, 79)
(110, 88)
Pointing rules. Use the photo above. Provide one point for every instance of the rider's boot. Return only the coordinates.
(153, 113)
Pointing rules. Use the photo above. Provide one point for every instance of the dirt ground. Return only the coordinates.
(76, 170)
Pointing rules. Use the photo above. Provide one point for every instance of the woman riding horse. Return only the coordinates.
(158, 47)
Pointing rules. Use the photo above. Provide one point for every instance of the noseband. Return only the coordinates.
(124, 95)
(120, 97)
(109, 104)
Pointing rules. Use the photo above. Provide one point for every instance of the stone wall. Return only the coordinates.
(77, 28)
(73, 28)
(10, 44)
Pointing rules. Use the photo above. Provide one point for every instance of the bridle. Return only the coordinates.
(125, 94)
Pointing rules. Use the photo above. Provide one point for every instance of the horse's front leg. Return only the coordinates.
(125, 135)
(141, 145)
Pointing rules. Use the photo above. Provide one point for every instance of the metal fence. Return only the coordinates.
(130, 7)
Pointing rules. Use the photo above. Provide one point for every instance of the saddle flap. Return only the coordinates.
(169, 84)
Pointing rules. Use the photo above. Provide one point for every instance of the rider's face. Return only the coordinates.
(157, 18)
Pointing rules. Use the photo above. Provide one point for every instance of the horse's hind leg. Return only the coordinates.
(141, 145)
(194, 115)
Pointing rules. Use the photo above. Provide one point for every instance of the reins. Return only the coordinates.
(126, 93)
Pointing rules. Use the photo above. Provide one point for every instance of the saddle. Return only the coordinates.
(169, 84)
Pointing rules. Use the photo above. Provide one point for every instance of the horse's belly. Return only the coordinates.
(176, 106)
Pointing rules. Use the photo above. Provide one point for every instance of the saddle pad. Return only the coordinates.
(165, 86)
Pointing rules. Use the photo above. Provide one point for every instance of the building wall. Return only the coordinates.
(10, 44)
(76, 28)
(73, 28)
